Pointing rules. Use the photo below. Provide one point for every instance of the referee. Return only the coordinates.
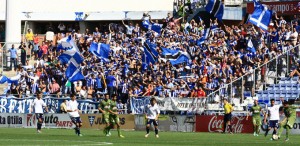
(227, 117)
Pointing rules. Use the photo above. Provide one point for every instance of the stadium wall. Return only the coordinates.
(64, 10)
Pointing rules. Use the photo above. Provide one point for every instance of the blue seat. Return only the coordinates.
(288, 86)
(277, 87)
(277, 93)
(295, 87)
(271, 87)
(289, 94)
(282, 86)
(247, 94)
(296, 78)
(264, 95)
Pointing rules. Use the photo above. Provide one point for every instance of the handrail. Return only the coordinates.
(226, 85)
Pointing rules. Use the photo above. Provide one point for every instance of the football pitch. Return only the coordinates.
(60, 137)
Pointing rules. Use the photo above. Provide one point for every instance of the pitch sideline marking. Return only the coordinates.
(93, 142)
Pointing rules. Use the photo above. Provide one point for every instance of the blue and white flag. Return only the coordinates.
(149, 57)
(166, 52)
(151, 47)
(67, 43)
(216, 8)
(261, 17)
(204, 36)
(155, 27)
(71, 56)
(181, 59)
(150, 53)
(250, 46)
(14, 79)
(73, 73)
(79, 16)
(3, 79)
(100, 50)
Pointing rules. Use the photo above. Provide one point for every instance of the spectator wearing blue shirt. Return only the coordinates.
(110, 83)
(13, 57)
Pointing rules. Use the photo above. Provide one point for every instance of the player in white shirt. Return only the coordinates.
(72, 109)
(38, 106)
(152, 114)
(273, 114)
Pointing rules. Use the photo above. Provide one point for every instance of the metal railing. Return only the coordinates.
(259, 78)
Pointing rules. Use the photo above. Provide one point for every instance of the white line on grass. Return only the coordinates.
(71, 141)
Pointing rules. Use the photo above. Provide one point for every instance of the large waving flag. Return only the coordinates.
(181, 59)
(3, 79)
(261, 17)
(155, 27)
(216, 8)
(150, 52)
(168, 52)
(100, 50)
(67, 43)
(204, 36)
(175, 56)
(73, 58)
(14, 79)
(71, 55)
(73, 72)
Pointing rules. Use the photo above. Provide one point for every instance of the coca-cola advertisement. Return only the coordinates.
(215, 124)
(282, 8)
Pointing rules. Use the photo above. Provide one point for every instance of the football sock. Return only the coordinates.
(108, 129)
(119, 131)
(230, 128)
(39, 126)
(287, 132)
(267, 132)
(280, 130)
(78, 130)
(224, 127)
(257, 129)
(156, 131)
(274, 131)
(147, 130)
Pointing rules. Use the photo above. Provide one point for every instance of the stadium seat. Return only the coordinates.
(277, 87)
(294, 87)
(271, 87)
(247, 94)
(288, 86)
(289, 94)
(295, 94)
(277, 94)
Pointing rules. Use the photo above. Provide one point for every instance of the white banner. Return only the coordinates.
(169, 104)
(12, 120)
(50, 121)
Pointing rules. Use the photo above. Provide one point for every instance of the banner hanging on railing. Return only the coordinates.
(169, 104)
(23, 105)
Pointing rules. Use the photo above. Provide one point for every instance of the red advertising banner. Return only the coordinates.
(215, 124)
(282, 8)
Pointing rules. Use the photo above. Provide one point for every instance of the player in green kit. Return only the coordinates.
(113, 116)
(104, 108)
(289, 120)
(256, 120)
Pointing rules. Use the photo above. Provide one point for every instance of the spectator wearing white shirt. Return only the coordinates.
(129, 29)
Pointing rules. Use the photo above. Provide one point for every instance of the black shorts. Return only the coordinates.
(227, 117)
(273, 124)
(155, 122)
(39, 116)
(76, 120)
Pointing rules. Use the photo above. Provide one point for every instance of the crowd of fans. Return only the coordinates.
(222, 58)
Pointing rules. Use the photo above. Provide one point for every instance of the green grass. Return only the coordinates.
(58, 137)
